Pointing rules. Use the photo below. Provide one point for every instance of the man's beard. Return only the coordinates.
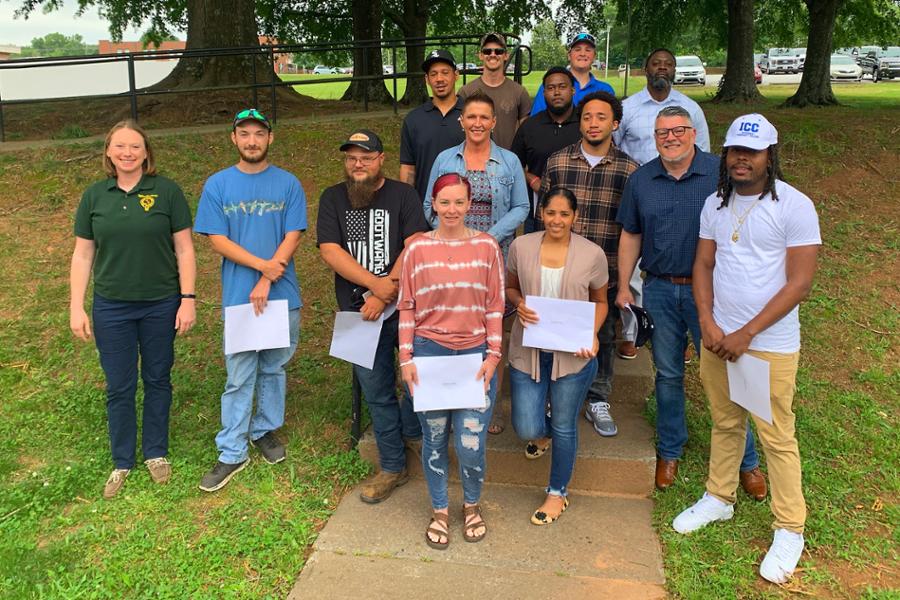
(559, 111)
(254, 159)
(660, 83)
(597, 142)
(362, 191)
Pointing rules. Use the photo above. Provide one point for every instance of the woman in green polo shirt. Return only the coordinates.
(133, 230)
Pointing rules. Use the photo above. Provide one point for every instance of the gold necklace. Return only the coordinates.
(736, 229)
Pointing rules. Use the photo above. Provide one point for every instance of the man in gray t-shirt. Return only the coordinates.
(512, 104)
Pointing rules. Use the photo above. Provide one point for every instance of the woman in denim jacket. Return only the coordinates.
(499, 192)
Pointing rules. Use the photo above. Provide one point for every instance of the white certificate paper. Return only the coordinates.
(245, 331)
(448, 382)
(355, 339)
(748, 385)
(564, 325)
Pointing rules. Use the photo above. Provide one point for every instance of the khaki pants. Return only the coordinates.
(778, 440)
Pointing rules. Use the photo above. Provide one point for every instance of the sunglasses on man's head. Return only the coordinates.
(495, 51)
(250, 113)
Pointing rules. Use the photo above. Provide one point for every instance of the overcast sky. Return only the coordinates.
(20, 32)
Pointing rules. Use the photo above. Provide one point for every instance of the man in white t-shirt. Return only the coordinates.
(755, 261)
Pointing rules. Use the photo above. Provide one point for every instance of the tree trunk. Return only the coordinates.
(366, 25)
(413, 23)
(737, 84)
(218, 24)
(815, 85)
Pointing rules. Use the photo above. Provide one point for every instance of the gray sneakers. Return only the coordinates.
(220, 475)
(271, 449)
(598, 414)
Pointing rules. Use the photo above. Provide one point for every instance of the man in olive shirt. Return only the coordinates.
(512, 104)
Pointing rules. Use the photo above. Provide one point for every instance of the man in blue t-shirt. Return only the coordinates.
(582, 52)
(253, 213)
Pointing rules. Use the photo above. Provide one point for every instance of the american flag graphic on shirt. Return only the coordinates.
(368, 235)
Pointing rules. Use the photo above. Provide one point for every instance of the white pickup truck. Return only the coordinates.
(781, 60)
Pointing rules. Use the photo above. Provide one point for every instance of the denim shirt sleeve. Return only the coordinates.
(514, 207)
(444, 163)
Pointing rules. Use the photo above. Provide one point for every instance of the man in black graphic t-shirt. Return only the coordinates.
(363, 225)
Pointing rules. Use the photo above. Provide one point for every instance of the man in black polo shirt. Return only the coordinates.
(547, 132)
(433, 127)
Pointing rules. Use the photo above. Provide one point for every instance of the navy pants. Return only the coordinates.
(123, 330)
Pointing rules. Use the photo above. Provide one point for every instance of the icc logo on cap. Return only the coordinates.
(748, 127)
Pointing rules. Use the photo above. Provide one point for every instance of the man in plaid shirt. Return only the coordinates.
(596, 171)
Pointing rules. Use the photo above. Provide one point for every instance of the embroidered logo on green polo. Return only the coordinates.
(147, 201)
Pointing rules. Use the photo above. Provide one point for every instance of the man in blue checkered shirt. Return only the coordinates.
(660, 218)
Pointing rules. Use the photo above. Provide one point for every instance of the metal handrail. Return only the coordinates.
(267, 51)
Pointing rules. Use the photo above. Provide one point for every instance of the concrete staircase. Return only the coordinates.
(603, 547)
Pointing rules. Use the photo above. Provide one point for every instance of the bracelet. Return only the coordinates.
(533, 179)
(403, 364)
(189, 296)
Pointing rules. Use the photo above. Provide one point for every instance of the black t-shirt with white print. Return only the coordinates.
(374, 235)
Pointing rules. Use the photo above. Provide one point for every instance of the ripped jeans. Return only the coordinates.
(469, 429)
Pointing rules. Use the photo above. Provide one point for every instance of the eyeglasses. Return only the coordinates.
(663, 132)
(494, 51)
(366, 161)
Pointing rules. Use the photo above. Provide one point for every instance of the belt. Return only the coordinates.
(676, 279)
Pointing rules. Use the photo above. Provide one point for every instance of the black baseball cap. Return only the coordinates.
(645, 325)
(493, 36)
(250, 114)
(365, 139)
(439, 55)
(584, 36)
(560, 71)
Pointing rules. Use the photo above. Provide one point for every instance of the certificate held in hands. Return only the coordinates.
(563, 325)
(448, 382)
(245, 330)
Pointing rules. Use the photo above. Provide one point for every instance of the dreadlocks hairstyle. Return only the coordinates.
(773, 171)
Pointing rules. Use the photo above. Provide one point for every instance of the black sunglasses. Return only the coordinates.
(495, 51)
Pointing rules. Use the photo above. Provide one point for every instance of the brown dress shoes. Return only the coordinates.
(666, 470)
(753, 482)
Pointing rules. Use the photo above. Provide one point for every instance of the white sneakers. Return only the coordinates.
(705, 511)
(783, 554)
(782, 557)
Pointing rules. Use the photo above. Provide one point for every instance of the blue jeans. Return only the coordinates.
(469, 435)
(529, 415)
(392, 421)
(263, 372)
(674, 314)
(601, 387)
(122, 330)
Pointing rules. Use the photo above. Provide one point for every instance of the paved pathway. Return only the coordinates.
(604, 546)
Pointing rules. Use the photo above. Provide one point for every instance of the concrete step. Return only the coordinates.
(602, 547)
(623, 464)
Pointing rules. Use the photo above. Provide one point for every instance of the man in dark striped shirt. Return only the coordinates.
(660, 218)
(596, 171)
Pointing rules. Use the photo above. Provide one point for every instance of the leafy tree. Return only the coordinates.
(58, 44)
(738, 84)
(546, 48)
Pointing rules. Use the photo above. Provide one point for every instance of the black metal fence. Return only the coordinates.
(253, 57)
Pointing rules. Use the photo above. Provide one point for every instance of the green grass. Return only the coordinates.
(59, 539)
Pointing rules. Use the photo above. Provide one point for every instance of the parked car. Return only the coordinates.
(345, 70)
(861, 52)
(387, 69)
(801, 54)
(757, 74)
(323, 70)
(882, 63)
(689, 69)
(781, 60)
(758, 59)
(471, 68)
(844, 67)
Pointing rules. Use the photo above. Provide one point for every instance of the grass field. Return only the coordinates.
(59, 539)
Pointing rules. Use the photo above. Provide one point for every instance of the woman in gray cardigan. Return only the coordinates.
(553, 263)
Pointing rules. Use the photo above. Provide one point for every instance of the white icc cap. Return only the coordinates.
(751, 131)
